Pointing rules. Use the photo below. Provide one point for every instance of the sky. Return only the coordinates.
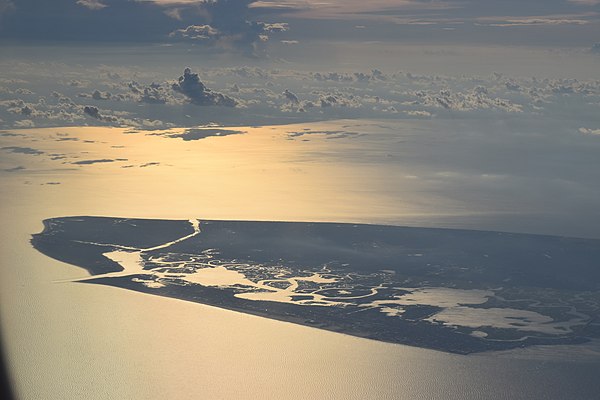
(244, 24)
(508, 88)
(470, 114)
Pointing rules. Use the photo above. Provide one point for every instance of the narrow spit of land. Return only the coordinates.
(458, 291)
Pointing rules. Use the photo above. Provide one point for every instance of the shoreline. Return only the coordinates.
(272, 241)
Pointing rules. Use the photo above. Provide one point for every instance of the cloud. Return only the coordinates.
(223, 24)
(196, 32)
(99, 161)
(155, 93)
(585, 2)
(190, 86)
(588, 131)
(332, 134)
(22, 150)
(14, 169)
(26, 110)
(348, 9)
(92, 112)
(91, 4)
(327, 100)
(418, 113)
(375, 75)
(98, 95)
(276, 27)
(25, 123)
(203, 133)
(475, 99)
(290, 96)
(226, 25)
(539, 21)
(150, 164)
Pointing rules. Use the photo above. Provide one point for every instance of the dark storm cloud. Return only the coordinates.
(190, 86)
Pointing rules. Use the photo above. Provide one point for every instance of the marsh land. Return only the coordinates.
(457, 291)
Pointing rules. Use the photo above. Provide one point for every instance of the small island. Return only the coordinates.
(458, 291)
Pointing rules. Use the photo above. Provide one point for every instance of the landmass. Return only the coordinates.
(459, 291)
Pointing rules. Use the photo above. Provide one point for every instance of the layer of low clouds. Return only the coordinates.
(196, 92)
(251, 95)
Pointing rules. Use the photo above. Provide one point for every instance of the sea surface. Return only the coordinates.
(66, 340)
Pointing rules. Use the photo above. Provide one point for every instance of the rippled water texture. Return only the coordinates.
(68, 340)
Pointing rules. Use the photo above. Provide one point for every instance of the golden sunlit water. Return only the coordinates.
(76, 340)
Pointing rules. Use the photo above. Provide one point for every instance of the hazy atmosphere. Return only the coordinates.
(180, 116)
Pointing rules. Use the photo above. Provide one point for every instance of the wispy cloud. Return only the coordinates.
(349, 8)
(574, 19)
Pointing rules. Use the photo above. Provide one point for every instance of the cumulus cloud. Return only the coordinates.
(155, 93)
(98, 95)
(275, 27)
(91, 4)
(418, 113)
(92, 112)
(333, 76)
(25, 123)
(196, 32)
(226, 25)
(339, 99)
(190, 86)
(290, 96)
(374, 75)
(476, 99)
(588, 131)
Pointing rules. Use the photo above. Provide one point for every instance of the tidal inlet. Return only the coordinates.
(271, 200)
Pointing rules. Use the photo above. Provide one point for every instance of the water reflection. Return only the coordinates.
(68, 340)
